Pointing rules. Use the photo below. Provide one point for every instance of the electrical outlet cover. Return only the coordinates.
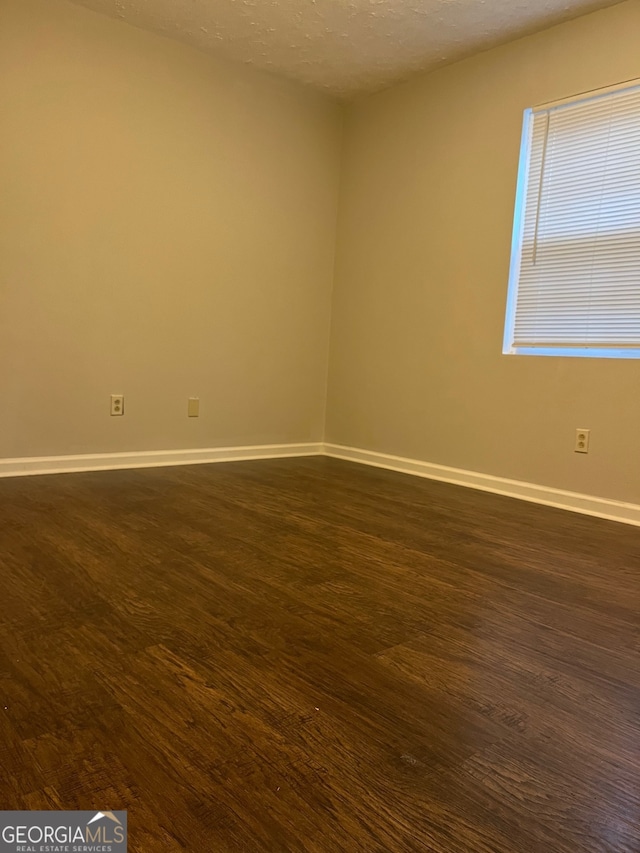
(582, 440)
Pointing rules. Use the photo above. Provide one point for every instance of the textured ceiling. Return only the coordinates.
(344, 47)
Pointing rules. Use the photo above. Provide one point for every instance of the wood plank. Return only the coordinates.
(310, 655)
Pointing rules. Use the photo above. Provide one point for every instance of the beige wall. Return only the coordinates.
(428, 189)
(167, 227)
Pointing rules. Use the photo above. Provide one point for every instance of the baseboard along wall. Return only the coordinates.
(613, 510)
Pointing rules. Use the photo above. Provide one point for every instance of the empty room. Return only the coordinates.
(319, 461)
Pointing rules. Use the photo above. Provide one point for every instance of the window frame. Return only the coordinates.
(517, 240)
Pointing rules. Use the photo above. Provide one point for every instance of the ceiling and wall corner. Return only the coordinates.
(169, 225)
(344, 47)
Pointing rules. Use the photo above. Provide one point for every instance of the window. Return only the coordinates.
(574, 288)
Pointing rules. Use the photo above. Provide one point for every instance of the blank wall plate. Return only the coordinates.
(193, 407)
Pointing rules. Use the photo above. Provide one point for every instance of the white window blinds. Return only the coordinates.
(575, 275)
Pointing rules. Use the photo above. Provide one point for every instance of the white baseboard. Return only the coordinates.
(150, 459)
(573, 501)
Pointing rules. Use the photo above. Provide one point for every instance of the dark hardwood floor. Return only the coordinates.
(309, 655)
